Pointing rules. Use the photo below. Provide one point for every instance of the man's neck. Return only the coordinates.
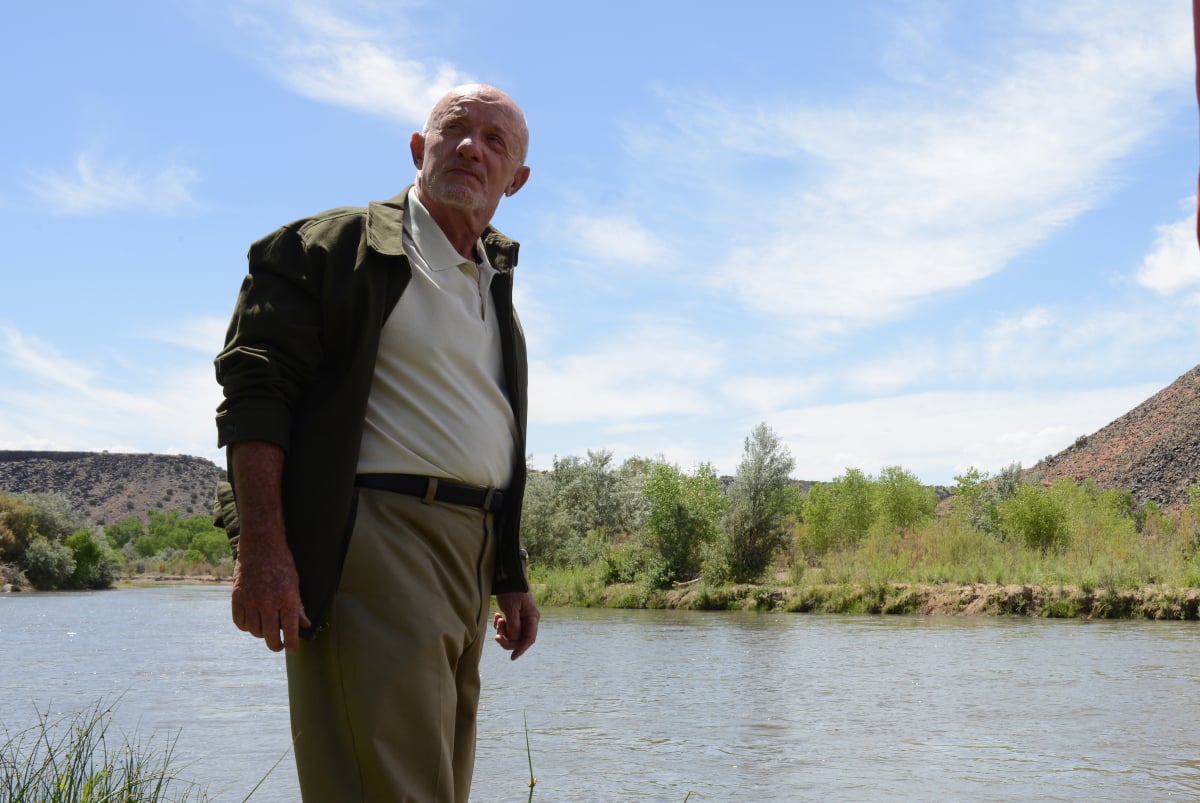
(462, 228)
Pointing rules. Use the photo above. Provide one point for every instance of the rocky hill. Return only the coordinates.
(1152, 451)
(106, 488)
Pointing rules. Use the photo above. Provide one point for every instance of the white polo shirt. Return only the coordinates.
(437, 405)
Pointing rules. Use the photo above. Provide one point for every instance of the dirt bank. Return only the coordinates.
(981, 599)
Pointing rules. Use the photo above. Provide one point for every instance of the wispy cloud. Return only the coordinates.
(657, 369)
(356, 65)
(204, 335)
(987, 430)
(618, 240)
(96, 188)
(900, 201)
(57, 402)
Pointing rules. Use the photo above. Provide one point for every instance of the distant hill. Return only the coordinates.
(1153, 451)
(106, 488)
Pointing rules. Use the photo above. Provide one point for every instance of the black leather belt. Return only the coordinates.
(434, 489)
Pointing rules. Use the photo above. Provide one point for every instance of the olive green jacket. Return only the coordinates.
(297, 367)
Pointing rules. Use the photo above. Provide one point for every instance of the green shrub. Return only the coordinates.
(839, 514)
(48, 564)
(96, 564)
(1036, 518)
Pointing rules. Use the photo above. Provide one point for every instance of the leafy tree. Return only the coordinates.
(758, 522)
(96, 565)
(576, 511)
(124, 531)
(212, 546)
(195, 538)
(903, 502)
(48, 564)
(979, 499)
(17, 527)
(53, 514)
(545, 526)
(839, 514)
(1009, 481)
(975, 501)
(683, 517)
(1036, 517)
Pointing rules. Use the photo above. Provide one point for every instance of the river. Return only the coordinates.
(654, 705)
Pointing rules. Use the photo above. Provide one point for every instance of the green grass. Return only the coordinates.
(77, 760)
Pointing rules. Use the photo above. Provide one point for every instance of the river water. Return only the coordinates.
(654, 705)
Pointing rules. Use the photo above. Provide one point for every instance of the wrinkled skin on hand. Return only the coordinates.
(516, 625)
(266, 595)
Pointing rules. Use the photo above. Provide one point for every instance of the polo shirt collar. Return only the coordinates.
(385, 234)
(431, 241)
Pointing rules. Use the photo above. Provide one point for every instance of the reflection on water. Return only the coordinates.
(649, 705)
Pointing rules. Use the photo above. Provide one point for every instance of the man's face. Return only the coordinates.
(471, 153)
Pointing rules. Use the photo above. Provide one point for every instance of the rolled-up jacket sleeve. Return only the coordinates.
(273, 344)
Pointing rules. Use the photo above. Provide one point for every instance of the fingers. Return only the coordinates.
(271, 636)
(291, 631)
(516, 634)
(529, 631)
(279, 630)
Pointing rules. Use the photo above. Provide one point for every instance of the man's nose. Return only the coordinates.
(468, 146)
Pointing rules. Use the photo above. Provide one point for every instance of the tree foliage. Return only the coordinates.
(48, 564)
(839, 514)
(761, 513)
(1036, 517)
(96, 564)
(17, 527)
(902, 501)
(683, 519)
(577, 511)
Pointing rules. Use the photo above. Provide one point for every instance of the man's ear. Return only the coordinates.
(416, 145)
(518, 181)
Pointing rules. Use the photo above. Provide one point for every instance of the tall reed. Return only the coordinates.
(75, 759)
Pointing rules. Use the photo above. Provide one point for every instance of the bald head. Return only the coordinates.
(485, 93)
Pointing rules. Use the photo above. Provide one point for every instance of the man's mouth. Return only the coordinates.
(463, 171)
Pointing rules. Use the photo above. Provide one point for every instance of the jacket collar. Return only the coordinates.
(385, 234)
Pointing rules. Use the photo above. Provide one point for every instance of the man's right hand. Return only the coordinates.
(266, 587)
(266, 593)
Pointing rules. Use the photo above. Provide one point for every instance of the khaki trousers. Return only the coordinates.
(383, 701)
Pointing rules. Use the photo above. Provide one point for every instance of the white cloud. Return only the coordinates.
(1174, 262)
(97, 188)
(618, 241)
(330, 59)
(657, 369)
(55, 402)
(923, 198)
(928, 432)
(204, 335)
(762, 393)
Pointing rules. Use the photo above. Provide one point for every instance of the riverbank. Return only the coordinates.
(979, 599)
(913, 599)
(145, 580)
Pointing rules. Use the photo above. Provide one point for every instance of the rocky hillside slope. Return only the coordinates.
(1152, 451)
(106, 488)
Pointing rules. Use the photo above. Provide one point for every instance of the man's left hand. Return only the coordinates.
(517, 623)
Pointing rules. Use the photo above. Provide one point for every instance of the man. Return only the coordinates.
(374, 376)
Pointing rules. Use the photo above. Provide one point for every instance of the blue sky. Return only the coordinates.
(933, 235)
